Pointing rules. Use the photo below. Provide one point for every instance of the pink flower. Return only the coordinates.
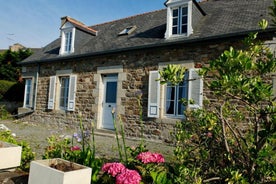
(148, 157)
(75, 148)
(113, 168)
(128, 177)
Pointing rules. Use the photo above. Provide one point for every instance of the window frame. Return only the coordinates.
(157, 107)
(179, 20)
(28, 95)
(177, 99)
(55, 87)
(63, 96)
(179, 5)
(68, 32)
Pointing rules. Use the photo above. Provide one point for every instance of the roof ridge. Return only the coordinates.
(129, 17)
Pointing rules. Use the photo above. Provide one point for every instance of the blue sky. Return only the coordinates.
(35, 23)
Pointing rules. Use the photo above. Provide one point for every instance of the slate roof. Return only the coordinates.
(223, 18)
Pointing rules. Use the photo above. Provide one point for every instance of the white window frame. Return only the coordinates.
(178, 5)
(55, 92)
(28, 94)
(157, 108)
(66, 29)
(176, 97)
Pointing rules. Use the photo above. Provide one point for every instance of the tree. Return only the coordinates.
(9, 69)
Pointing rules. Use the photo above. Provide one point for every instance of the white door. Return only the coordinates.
(109, 101)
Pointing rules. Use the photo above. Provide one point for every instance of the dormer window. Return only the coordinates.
(179, 18)
(67, 39)
(68, 33)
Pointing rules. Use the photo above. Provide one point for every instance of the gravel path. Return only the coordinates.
(106, 145)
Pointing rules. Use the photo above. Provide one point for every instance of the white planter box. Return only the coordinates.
(10, 155)
(42, 173)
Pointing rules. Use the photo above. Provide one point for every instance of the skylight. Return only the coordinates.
(127, 30)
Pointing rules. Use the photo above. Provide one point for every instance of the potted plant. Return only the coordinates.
(58, 171)
(10, 155)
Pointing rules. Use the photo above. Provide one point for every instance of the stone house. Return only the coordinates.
(94, 70)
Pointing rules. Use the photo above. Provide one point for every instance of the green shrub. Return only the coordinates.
(27, 154)
(4, 87)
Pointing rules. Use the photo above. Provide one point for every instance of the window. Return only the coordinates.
(180, 20)
(127, 30)
(62, 96)
(28, 93)
(190, 89)
(68, 42)
(174, 96)
(64, 90)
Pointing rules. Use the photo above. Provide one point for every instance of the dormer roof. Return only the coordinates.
(79, 25)
(224, 19)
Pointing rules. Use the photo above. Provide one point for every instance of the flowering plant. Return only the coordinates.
(121, 173)
(148, 157)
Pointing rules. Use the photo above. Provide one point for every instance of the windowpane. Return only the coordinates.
(174, 96)
(174, 30)
(64, 89)
(184, 11)
(175, 21)
(28, 85)
(68, 42)
(184, 29)
(184, 20)
(111, 92)
(170, 100)
(175, 13)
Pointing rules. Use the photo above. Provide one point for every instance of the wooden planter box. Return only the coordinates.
(42, 172)
(10, 155)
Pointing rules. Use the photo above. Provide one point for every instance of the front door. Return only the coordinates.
(109, 101)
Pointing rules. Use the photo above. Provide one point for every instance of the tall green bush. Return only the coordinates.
(4, 87)
(231, 140)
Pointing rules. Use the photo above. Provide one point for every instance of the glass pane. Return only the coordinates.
(170, 100)
(184, 11)
(175, 21)
(184, 20)
(111, 92)
(184, 29)
(180, 108)
(28, 91)
(175, 13)
(174, 30)
(64, 85)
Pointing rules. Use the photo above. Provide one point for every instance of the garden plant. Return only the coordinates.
(232, 139)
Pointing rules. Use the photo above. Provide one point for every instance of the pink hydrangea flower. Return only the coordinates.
(113, 168)
(128, 177)
(148, 157)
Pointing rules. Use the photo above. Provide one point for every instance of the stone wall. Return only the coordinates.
(136, 66)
